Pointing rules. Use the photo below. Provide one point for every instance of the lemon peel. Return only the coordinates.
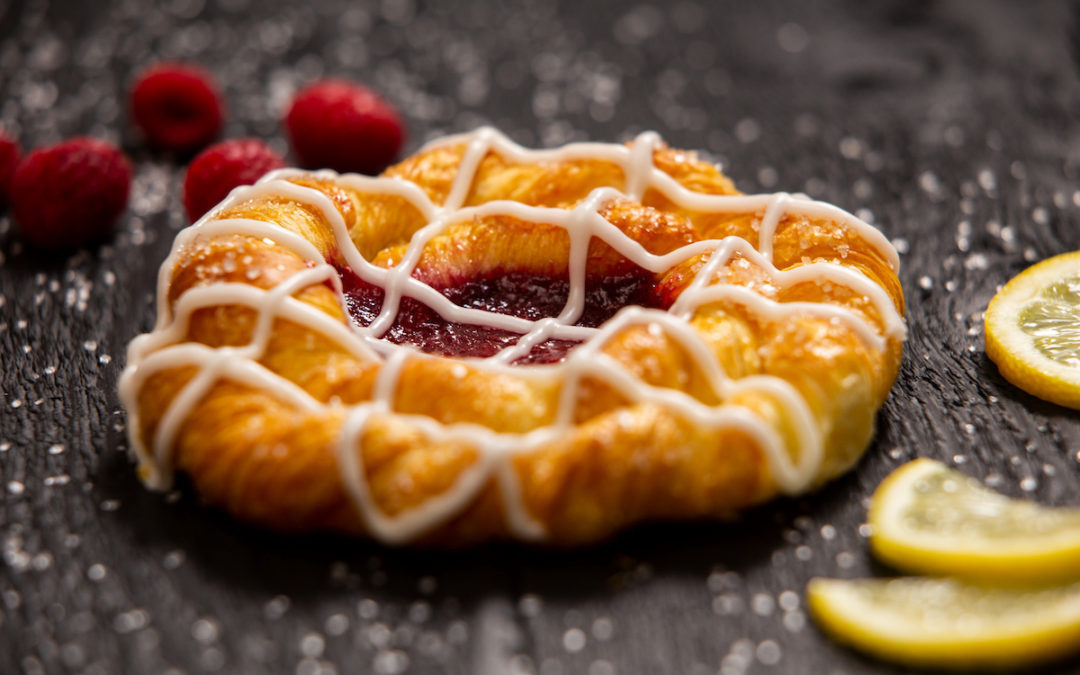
(1033, 330)
(926, 518)
(940, 622)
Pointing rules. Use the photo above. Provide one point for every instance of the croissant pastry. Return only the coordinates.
(491, 342)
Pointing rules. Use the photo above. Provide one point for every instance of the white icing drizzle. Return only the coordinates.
(641, 153)
(793, 469)
(767, 229)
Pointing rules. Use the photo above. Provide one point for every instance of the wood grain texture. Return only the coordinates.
(954, 124)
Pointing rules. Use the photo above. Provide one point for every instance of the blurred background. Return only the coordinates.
(833, 78)
(950, 125)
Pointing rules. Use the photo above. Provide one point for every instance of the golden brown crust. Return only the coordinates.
(621, 462)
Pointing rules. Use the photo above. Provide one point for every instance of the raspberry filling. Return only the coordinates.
(521, 294)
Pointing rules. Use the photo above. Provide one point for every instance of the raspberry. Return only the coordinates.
(344, 126)
(221, 167)
(66, 195)
(177, 107)
(9, 159)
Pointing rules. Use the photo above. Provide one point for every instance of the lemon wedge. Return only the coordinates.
(1033, 330)
(948, 623)
(929, 519)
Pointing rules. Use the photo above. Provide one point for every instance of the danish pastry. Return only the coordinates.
(488, 341)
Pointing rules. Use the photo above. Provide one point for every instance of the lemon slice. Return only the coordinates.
(929, 519)
(947, 623)
(1033, 330)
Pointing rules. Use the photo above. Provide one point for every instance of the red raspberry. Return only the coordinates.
(221, 167)
(344, 126)
(68, 194)
(177, 107)
(9, 159)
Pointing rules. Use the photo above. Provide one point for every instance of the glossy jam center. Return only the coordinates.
(524, 295)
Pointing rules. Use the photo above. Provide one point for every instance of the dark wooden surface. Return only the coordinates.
(952, 124)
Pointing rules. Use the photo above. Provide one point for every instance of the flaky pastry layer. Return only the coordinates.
(782, 349)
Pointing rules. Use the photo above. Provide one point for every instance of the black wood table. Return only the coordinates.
(951, 125)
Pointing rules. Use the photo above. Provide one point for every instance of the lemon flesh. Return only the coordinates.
(926, 518)
(1033, 330)
(948, 623)
(1052, 320)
